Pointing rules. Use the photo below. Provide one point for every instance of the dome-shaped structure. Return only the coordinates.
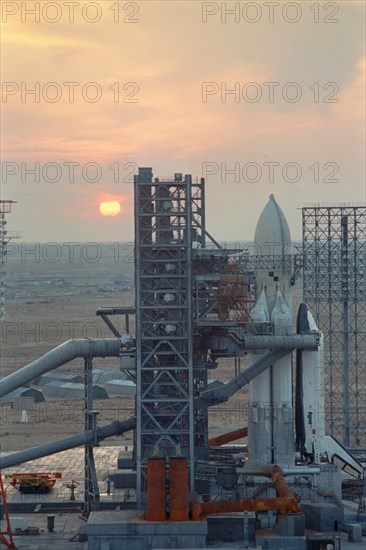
(272, 234)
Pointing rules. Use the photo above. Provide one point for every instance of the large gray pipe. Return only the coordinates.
(286, 341)
(116, 428)
(72, 349)
(110, 347)
(103, 348)
(227, 390)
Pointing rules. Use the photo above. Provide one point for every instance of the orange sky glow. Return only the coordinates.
(111, 96)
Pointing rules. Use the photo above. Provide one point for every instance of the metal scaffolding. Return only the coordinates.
(5, 237)
(163, 232)
(91, 488)
(334, 249)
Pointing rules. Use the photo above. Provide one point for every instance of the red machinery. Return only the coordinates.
(33, 482)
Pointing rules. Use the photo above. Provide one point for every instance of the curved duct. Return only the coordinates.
(285, 502)
(283, 505)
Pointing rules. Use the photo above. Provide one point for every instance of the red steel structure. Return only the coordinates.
(179, 509)
(228, 437)
(156, 493)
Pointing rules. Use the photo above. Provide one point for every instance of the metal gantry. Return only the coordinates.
(164, 404)
(5, 237)
(334, 249)
(188, 290)
(91, 488)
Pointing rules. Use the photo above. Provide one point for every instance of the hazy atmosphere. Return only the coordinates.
(183, 360)
(258, 97)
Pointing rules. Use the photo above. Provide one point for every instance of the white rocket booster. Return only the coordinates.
(270, 433)
(260, 431)
(270, 424)
(281, 380)
(272, 241)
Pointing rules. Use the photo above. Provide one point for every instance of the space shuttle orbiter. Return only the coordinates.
(311, 441)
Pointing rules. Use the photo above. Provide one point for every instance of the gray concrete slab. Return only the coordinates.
(127, 529)
(67, 527)
(71, 465)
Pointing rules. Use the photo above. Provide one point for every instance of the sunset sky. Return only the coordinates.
(150, 69)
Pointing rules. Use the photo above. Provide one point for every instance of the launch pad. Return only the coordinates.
(198, 303)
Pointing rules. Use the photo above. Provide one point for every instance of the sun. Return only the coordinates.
(110, 208)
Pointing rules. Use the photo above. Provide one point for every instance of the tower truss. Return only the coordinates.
(165, 415)
(5, 237)
(334, 249)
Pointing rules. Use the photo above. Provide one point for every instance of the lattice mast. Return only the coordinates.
(334, 248)
(5, 236)
(165, 380)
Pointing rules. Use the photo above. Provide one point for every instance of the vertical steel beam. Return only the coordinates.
(164, 322)
(345, 351)
(91, 489)
(334, 247)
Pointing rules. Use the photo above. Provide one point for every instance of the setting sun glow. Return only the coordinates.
(110, 208)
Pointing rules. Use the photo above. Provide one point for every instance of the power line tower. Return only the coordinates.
(5, 237)
(334, 248)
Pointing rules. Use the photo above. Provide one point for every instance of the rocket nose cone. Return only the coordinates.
(260, 311)
(281, 313)
(280, 304)
(272, 234)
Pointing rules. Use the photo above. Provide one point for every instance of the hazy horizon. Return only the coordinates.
(269, 99)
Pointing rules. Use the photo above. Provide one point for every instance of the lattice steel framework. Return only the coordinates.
(165, 379)
(334, 249)
(91, 488)
(5, 237)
